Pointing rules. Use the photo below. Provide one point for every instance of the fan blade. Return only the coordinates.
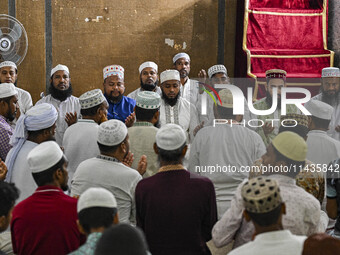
(16, 32)
(0, 32)
(11, 57)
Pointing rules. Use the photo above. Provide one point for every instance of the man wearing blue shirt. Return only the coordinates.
(120, 106)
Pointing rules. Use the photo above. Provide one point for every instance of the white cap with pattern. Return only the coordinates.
(330, 72)
(59, 68)
(91, 99)
(113, 70)
(170, 137)
(148, 100)
(319, 109)
(7, 90)
(148, 64)
(226, 98)
(168, 75)
(8, 63)
(96, 197)
(217, 69)
(112, 132)
(180, 55)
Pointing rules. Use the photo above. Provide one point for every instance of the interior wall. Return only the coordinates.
(126, 33)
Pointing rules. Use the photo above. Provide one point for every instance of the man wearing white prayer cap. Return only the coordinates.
(60, 96)
(322, 149)
(148, 74)
(120, 106)
(97, 211)
(165, 202)
(46, 222)
(175, 108)
(330, 94)
(9, 74)
(80, 139)
(189, 88)
(36, 126)
(8, 108)
(109, 169)
(142, 134)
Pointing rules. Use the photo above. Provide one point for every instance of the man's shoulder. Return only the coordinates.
(23, 92)
(45, 99)
(133, 94)
(260, 102)
(129, 100)
(317, 97)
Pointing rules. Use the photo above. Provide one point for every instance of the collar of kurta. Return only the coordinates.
(282, 179)
(108, 158)
(48, 188)
(86, 121)
(142, 123)
(317, 132)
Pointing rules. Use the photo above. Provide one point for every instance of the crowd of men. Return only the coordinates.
(166, 169)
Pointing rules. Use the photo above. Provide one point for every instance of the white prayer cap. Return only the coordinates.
(44, 156)
(170, 137)
(148, 100)
(59, 68)
(180, 55)
(7, 90)
(168, 75)
(217, 69)
(330, 72)
(8, 63)
(319, 109)
(148, 64)
(112, 132)
(96, 197)
(226, 98)
(91, 99)
(113, 70)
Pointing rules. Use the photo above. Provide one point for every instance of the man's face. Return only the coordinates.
(5, 220)
(149, 76)
(182, 65)
(51, 133)
(219, 78)
(330, 86)
(8, 74)
(114, 87)
(269, 158)
(275, 83)
(102, 113)
(170, 88)
(61, 80)
(12, 108)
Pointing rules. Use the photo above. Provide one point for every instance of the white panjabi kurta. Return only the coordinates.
(322, 149)
(335, 121)
(21, 174)
(225, 145)
(24, 100)
(80, 143)
(71, 104)
(114, 176)
(134, 93)
(190, 91)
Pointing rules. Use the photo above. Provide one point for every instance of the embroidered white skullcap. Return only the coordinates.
(96, 197)
(8, 63)
(170, 137)
(112, 132)
(91, 98)
(148, 100)
(168, 75)
(319, 109)
(217, 69)
(7, 90)
(180, 55)
(113, 70)
(59, 68)
(44, 156)
(226, 98)
(148, 64)
(330, 72)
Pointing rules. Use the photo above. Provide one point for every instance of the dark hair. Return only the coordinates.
(170, 156)
(106, 148)
(145, 114)
(46, 176)
(122, 239)
(6, 99)
(37, 132)
(298, 129)
(225, 113)
(8, 194)
(90, 111)
(293, 166)
(96, 217)
(266, 219)
(321, 123)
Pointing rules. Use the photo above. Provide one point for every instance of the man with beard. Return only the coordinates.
(9, 74)
(189, 88)
(83, 134)
(120, 106)
(107, 170)
(143, 133)
(46, 222)
(330, 87)
(175, 108)
(8, 108)
(148, 72)
(61, 98)
(36, 126)
(276, 78)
